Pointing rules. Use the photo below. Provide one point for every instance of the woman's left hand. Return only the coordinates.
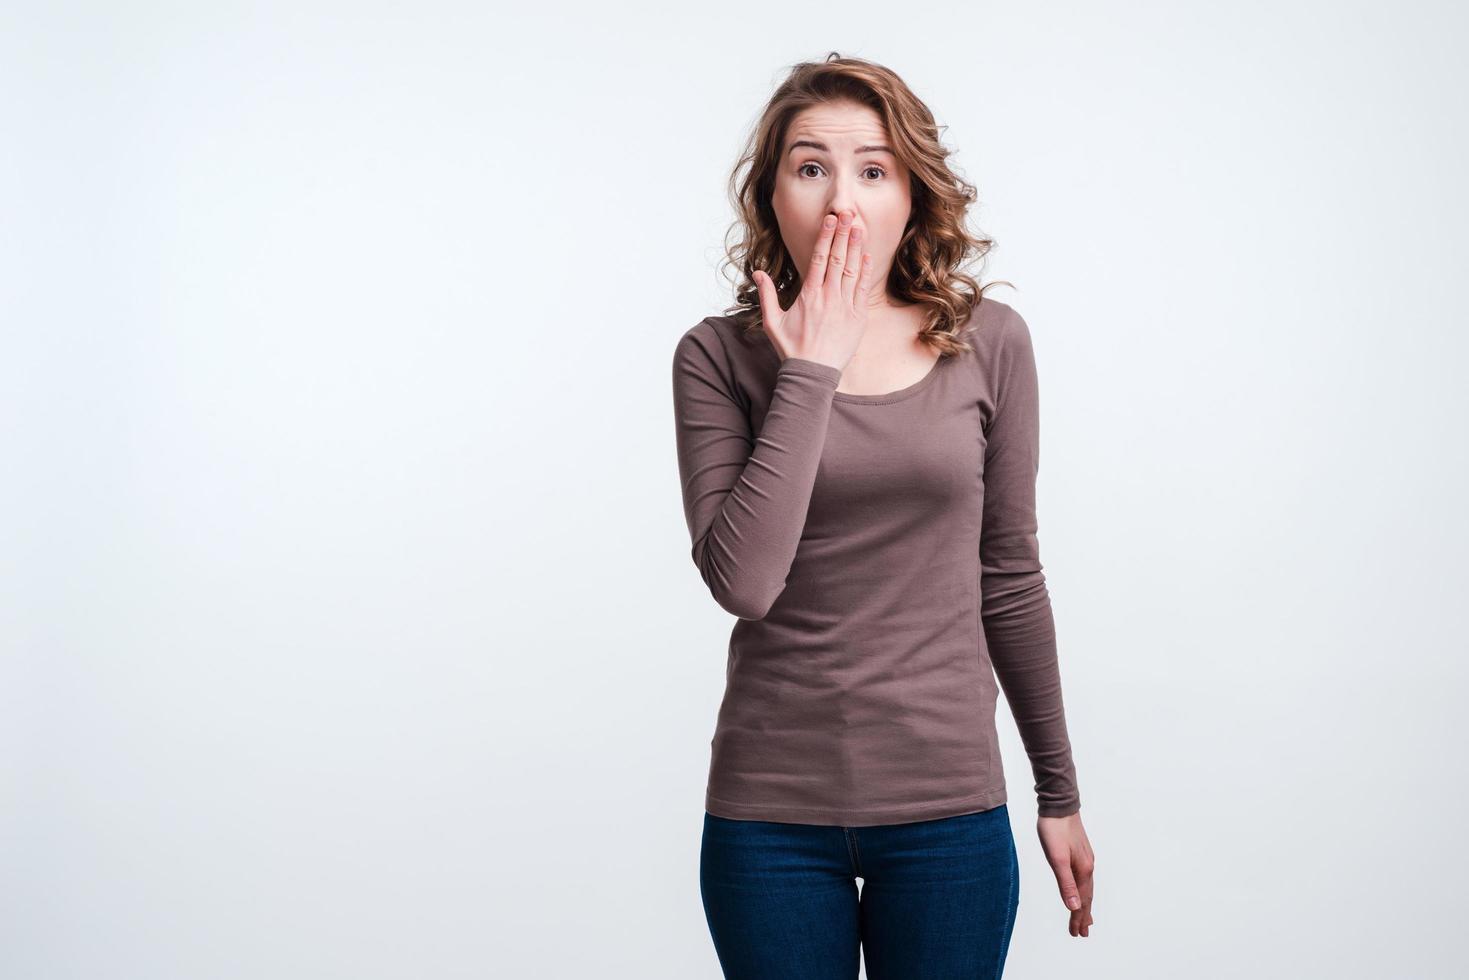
(1070, 856)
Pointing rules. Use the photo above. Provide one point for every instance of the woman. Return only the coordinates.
(858, 443)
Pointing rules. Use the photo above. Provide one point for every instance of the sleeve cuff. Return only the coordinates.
(810, 369)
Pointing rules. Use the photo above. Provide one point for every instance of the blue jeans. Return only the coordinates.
(938, 897)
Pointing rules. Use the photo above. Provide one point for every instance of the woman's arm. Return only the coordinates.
(745, 496)
(1018, 624)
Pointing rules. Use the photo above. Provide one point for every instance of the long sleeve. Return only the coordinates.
(1019, 626)
(745, 495)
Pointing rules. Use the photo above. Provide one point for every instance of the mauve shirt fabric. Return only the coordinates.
(880, 553)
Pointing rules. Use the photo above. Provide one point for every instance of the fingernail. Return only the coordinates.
(1073, 903)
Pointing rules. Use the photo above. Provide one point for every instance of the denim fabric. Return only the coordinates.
(937, 901)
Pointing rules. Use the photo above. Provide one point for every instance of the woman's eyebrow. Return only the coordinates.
(825, 149)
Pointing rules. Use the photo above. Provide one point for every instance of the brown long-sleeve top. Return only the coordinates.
(880, 554)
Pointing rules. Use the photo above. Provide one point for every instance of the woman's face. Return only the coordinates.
(837, 158)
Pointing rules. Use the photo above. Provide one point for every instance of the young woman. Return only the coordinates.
(858, 444)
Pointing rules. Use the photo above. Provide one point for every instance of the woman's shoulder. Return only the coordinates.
(993, 325)
(721, 352)
(998, 339)
(723, 335)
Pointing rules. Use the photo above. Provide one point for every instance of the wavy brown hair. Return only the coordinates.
(928, 267)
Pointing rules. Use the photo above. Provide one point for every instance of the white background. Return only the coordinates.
(349, 626)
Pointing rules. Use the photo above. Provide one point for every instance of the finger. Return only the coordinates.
(1083, 916)
(838, 258)
(854, 268)
(866, 280)
(863, 276)
(816, 274)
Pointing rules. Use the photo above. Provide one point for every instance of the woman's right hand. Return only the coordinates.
(829, 316)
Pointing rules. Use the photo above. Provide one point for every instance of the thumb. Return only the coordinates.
(1069, 893)
(769, 299)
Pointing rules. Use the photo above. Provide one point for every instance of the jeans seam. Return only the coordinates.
(1009, 913)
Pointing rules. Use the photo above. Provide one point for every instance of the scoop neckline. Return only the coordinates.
(881, 398)
(885, 397)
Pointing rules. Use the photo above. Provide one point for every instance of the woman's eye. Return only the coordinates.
(868, 169)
